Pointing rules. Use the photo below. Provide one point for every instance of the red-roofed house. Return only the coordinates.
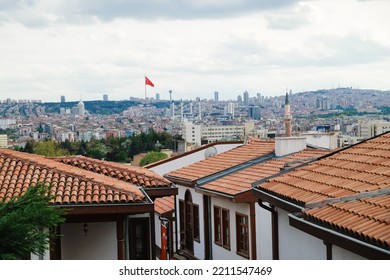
(336, 207)
(110, 214)
(217, 209)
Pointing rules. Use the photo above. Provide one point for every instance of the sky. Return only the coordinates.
(87, 48)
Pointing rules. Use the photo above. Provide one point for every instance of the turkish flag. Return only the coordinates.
(148, 82)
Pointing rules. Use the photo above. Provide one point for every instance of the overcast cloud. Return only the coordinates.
(90, 48)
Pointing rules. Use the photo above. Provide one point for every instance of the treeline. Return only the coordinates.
(111, 149)
(101, 107)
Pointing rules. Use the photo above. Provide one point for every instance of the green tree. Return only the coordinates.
(96, 149)
(48, 148)
(152, 157)
(24, 223)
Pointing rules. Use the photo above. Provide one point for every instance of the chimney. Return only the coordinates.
(289, 145)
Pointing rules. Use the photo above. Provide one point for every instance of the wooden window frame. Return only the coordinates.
(195, 229)
(222, 227)
(217, 226)
(242, 235)
(193, 209)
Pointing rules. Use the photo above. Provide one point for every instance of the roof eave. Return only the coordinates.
(349, 243)
(277, 201)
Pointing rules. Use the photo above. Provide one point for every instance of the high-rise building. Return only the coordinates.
(157, 96)
(254, 112)
(239, 100)
(81, 108)
(259, 98)
(62, 98)
(230, 109)
(246, 98)
(105, 97)
(216, 97)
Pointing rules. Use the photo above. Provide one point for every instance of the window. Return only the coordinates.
(242, 235)
(221, 227)
(196, 222)
(189, 221)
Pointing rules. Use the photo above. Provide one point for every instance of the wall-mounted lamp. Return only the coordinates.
(85, 229)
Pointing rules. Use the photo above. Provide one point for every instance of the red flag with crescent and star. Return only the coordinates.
(148, 82)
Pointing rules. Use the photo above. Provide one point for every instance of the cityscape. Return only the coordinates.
(195, 131)
(349, 115)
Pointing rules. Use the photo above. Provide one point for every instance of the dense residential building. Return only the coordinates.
(3, 140)
(371, 128)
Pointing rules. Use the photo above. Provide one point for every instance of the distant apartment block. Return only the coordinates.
(368, 129)
(7, 123)
(254, 112)
(105, 97)
(192, 133)
(230, 109)
(3, 140)
(198, 134)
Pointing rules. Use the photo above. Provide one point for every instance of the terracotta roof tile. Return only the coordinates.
(67, 185)
(240, 181)
(360, 168)
(253, 149)
(164, 204)
(136, 175)
(363, 169)
(366, 219)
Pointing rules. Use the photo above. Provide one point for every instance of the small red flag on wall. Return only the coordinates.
(148, 82)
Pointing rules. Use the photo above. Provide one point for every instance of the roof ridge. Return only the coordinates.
(74, 171)
(125, 168)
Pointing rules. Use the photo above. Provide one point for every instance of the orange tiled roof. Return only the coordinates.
(253, 149)
(361, 168)
(136, 175)
(240, 181)
(164, 204)
(366, 219)
(68, 185)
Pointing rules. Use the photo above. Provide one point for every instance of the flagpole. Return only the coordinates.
(145, 87)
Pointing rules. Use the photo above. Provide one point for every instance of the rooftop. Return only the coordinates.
(240, 181)
(251, 150)
(68, 185)
(133, 174)
(348, 190)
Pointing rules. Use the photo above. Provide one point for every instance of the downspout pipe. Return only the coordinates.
(275, 229)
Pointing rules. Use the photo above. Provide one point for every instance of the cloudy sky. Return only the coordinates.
(89, 48)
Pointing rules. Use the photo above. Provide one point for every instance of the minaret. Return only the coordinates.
(173, 109)
(200, 111)
(181, 110)
(287, 117)
(171, 103)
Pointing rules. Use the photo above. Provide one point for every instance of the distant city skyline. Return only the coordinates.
(194, 48)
